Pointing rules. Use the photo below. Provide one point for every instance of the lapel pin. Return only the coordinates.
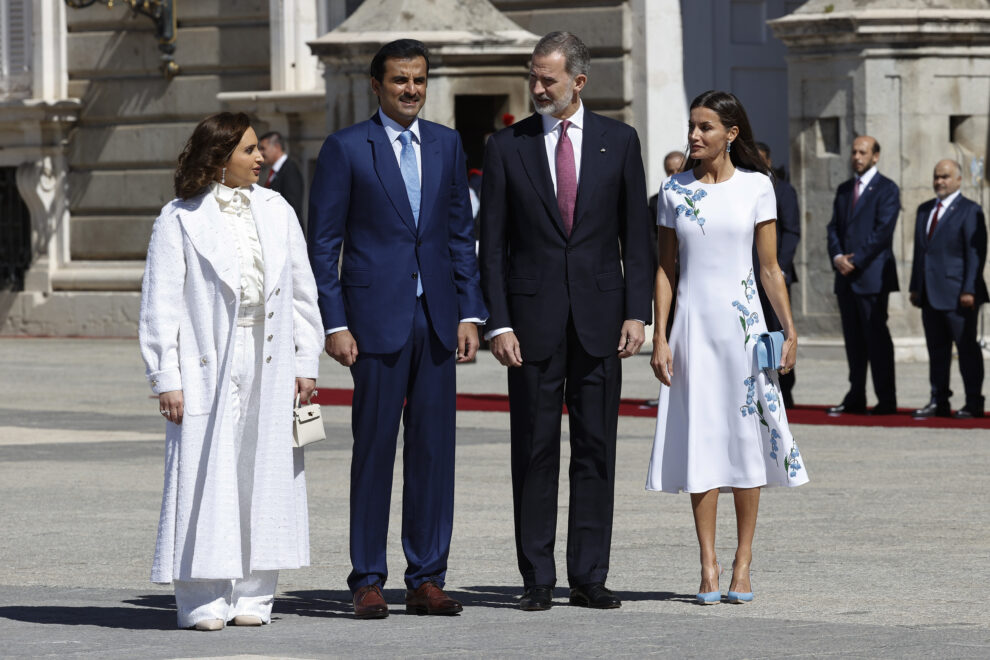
(603, 149)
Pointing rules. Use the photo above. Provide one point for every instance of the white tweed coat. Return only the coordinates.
(189, 304)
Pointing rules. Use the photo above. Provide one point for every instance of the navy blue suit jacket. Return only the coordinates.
(951, 264)
(868, 233)
(535, 276)
(358, 199)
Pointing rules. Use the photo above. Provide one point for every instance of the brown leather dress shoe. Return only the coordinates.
(369, 603)
(428, 598)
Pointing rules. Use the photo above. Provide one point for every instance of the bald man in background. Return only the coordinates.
(950, 249)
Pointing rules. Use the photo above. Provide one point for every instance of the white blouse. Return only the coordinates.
(235, 206)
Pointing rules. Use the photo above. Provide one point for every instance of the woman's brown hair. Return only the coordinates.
(211, 144)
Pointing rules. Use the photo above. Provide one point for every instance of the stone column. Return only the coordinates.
(913, 74)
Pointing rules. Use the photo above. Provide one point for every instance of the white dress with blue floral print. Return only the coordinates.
(720, 424)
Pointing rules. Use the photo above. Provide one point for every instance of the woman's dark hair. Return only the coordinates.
(401, 49)
(731, 113)
(211, 144)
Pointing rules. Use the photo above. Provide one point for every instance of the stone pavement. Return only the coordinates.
(883, 554)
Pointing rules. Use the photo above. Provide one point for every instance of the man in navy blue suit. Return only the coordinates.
(393, 190)
(860, 243)
(788, 236)
(950, 248)
(568, 276)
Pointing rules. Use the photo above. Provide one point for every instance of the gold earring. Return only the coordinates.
(223, 175)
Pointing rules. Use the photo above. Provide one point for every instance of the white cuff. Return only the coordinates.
(496, 332)
(335, 330)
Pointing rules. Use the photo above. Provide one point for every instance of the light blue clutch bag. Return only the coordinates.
(769, 346)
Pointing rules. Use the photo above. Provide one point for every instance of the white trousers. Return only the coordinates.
(197, 600)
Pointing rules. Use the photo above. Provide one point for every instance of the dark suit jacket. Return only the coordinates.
(358, 198)
(951, 264)
(534, 276)
(788, 232)
(288, 182)
(868, 233)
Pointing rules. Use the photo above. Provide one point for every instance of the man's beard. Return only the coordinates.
(551, 107)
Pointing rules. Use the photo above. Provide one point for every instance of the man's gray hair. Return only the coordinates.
(577, 59)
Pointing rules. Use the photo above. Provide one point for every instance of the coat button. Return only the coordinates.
(204, 360)
(414, 276)
(270, 337)
(271, 314)
(268, 359)
(419, 243)
(278, 291)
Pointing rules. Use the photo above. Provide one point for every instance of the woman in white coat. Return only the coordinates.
(230, 333)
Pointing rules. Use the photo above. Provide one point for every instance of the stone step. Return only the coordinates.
(99, 276)
(152, 98)
(97, 238)
(137, 145)
(109, 192)
(111, 54)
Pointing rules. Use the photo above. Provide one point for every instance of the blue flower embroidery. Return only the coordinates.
(690, 208)
(791, 462)
(772, 400)
(774, 447)
(747, 318)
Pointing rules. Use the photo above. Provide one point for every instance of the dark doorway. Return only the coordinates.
(15, 232)
(475, 117)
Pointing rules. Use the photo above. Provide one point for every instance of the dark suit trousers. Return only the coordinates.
(422, 375)
(590, 386)
(867, 338)
(941, 329)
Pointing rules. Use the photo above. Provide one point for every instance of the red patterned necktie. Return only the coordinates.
(938, 209)
(566, 178)
(271, 175)
(856, 191)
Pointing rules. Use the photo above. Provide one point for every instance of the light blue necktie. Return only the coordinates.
(410, 175)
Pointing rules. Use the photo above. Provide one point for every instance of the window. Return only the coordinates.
(15, 48)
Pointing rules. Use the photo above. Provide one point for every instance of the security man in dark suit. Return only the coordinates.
(284, 176)
(861, 245)
(950, 248)
(788, 236)
(567, 277)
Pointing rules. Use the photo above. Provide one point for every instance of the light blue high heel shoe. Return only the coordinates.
(711, 597)
(739, 597)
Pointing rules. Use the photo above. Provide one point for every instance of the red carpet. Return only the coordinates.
(800, 414)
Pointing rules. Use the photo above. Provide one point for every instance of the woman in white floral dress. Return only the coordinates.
(720, 423)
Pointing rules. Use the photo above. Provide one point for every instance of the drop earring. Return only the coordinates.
(728, 146)
(223, 175)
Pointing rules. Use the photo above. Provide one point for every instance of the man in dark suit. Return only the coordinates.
(284, 176)
(788, 236)
(567, 276)
(950, 248)
(393, 189)
(860, 242)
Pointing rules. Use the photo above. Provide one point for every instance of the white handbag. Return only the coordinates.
(307, 425)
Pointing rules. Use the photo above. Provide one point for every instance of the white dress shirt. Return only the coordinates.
(278, 163)
(235, 208)
(551, 136)
(946, 203)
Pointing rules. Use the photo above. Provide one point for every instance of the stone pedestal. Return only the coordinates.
(474, 50)
(913, 74)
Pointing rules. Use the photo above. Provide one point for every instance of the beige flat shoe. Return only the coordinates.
(246, 620)
(209, 624)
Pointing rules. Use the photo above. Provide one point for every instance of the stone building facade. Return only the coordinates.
(93, 127)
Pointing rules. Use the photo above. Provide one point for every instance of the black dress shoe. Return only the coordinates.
(536, 598)
(595, 595)
(846, 408)
(884, 409)
(968, 413)
(933, 409)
